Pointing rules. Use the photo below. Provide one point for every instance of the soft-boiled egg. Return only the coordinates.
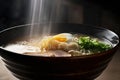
(63, 37)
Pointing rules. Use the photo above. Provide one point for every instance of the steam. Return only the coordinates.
(44, 12)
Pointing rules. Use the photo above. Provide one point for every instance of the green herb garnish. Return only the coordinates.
(92, 44)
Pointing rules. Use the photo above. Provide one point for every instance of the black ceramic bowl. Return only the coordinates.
(27, 67)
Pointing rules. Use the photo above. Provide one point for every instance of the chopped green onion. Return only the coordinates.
(92, 44)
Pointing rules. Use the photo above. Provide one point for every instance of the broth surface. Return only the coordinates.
(60, 45)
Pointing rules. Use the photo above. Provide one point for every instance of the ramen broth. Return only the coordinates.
(59, 45)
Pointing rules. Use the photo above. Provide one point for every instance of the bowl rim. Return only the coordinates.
(71, 57)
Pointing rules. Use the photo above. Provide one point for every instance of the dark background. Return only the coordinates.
(96, 13)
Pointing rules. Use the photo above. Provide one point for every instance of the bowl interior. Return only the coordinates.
(22, 32)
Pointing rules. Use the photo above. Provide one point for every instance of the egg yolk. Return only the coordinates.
(60, 37)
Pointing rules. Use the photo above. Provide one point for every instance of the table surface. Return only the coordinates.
(112, 72)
